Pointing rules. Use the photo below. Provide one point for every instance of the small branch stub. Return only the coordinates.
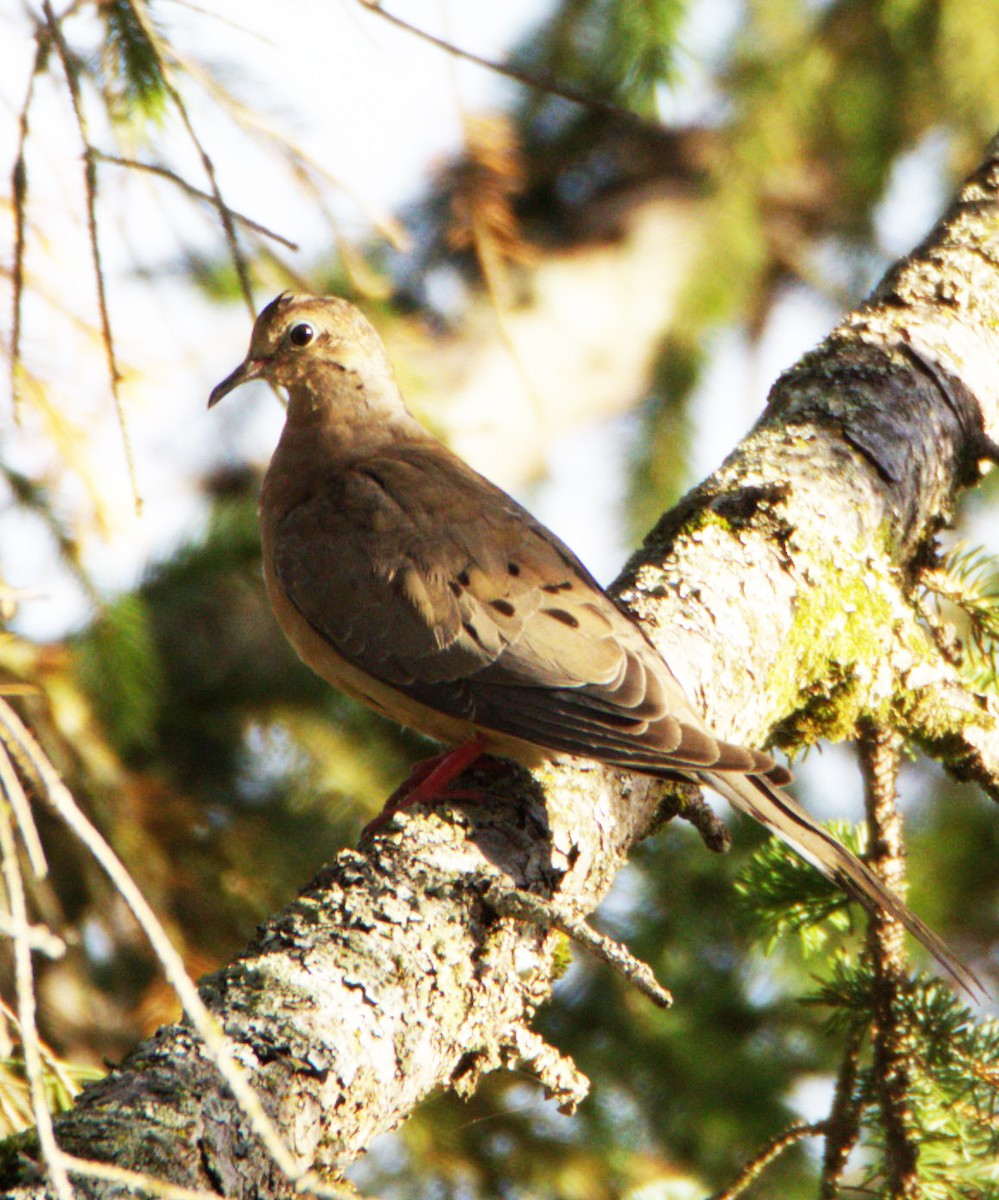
(524, 906)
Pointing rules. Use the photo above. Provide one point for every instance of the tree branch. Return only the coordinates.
(780, 593)
(880, 751)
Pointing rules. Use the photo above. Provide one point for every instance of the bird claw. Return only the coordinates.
(429, 783)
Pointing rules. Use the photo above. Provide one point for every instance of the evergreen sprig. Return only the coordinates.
(131, 70)
(952, 1094)
(783, 895)
(952, 1088)
(968, 577)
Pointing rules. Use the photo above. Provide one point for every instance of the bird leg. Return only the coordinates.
(428, 782)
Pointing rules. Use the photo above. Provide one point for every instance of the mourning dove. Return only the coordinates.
(412, 583)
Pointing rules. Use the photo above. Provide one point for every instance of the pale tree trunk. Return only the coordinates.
(781, 592)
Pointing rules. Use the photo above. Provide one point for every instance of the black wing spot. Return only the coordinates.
(503, 606)
(553, 589)
(463, 579)
(561, 615)
(455, 587)
(472, 632)
(513, 568)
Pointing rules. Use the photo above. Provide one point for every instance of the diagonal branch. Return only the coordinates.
(133, 164)
(546, 84)
(776, 1146)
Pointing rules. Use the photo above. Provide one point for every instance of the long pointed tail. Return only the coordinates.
(774, 809)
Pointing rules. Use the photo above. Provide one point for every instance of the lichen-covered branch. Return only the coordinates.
(780, 591)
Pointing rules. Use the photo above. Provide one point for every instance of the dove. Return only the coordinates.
(412, 583)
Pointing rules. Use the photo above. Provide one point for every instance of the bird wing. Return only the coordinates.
(421, 573)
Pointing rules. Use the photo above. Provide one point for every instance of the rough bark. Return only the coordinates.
(813, 532)
(781, 591)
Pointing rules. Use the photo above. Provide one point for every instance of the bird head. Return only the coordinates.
(294, 337)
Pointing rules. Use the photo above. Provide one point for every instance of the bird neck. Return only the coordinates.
(340, 407)
(337, 417)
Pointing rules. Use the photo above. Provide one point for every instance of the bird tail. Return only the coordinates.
(761, 799)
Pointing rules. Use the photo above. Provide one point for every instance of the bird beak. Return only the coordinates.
(252, 368)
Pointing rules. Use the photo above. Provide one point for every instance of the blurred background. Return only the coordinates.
(589, 301)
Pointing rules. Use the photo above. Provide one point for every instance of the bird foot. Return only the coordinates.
(429, 781)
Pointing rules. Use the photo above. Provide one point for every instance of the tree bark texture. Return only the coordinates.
(782, 591)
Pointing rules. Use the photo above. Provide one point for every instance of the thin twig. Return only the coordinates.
(777, 1145)
(539, 83)
(19, 199)
(843, 1122)
(135, 164)
(90, 189)
(223, 210)
(135, 1180)
(53, 1064)
(204, 1022)
(302, 165)
(39, 937)
(12, 789)
(524, 906)
(225, 213)
(206, 1025)
(26, 1009)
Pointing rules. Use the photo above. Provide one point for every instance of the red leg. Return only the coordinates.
(418, 773)
(429, 780)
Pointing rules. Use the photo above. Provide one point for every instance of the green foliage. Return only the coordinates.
(62, 1082)
(131, 72)
(639, 46)
(119, 665)
(968, 578)
(953, 852)
(657, 479)
(623, 51)
(783, 895)
(952, 1086)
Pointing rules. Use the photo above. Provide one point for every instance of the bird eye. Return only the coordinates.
(301, 335)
